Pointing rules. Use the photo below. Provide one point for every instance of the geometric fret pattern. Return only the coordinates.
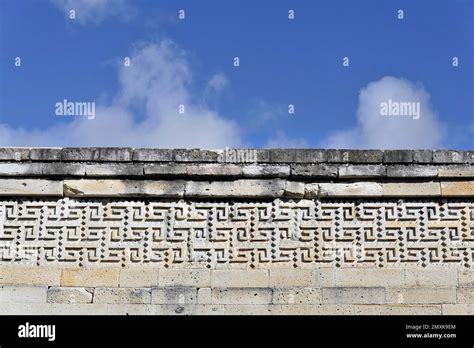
(300, 233)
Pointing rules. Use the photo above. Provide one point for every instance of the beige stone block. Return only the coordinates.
(294, 189)
(397, 309)
(30, 187)
(312, 309)
(126, 309)
(23, 294)
(52, 309)
(466, 171)
(465, 295)
(311, 190)
(457, 188)
(347, 295)
(466, 277)
(122, 295)
(204, 296)
(98, 277)
(70, 295)
(239, 278)
(356, 189)
(123, 188)
(138, 277)
(432, 277)
(283, 278)
(458, 309)
(199, 278)
(30, 275)
(411, 189)
(244, 188)
(297, 295)
(421, 295)
(360, 277)
(174, 295)
(241, 296)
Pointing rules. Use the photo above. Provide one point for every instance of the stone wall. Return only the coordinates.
(157, 231)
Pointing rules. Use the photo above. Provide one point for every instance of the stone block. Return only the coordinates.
(297, 155)
(361, 171)
(22, 294)
(64, 169)
(45, 154)
(457, 188)
(356, 189)
(465, 295)
(313, 170)
(432, 277)
(199, 278)
(412, 171)
(30, 187)
(297, 295)
(80, 154)
(465, 277)
(114, 169)
(373, 309)
(251, 296)
(360, 277)
(69, 295)
(355, 156)
(398, 156)
(294, 189)
(285, 278)
(421, 295)
(29, 275)
(174, 295)
(14, 154)
(311, 190)
(195, 155)
(260, 170)
(214, 169)
(152, 155)
(20, 169)
(411, 189)
(353, 295)
(115, 154)
(245, 188)
(448, 156)
(165, 170)
(122, 295)
(204, 296)
(458, 309)
(123, 188)
(456, 171)
(423, 156)
(138, 277)
(97, 277)
(239, 278)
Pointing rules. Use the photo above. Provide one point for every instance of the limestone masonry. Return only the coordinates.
(279, 231)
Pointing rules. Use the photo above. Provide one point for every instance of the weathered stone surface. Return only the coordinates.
(199, 278)
(204, 296)
(458, 309)
(98, 277)
(260, 170)
(122, 295)
(423, 156)
(245, 188)
(166, 170)
(398, 156)
(412, 171)
(174, 295)
(464, 295)
(354, 156)
(311, 190)
(115, 169)
(411, 189)
(70, 295)
(64, 169)
(457, 188)
(294, 189)
(360, 277)
(14, 154)
(123, 188)
(214, 169)
(138, 277)
(240, 278)
(448, 156)
(357, 189)
(314, 171)
(244, 295)
(80, 154)
(152, 155)
(30, 187)
(298, 155)
(283, 278)
(22, 294)
(20, 169)
(195, 155)
(371, 309)
(420, 295)
(466, 277)
(297, 295)
(361, 171)
(29, 275)
(45, 154)
(454, 171)
(356, 295)
(432, 277)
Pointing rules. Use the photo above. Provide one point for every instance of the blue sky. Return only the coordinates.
(190, 62)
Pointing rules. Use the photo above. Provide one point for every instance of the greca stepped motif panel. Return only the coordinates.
(242, 234)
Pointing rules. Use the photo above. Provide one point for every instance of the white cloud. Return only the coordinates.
(217, 83)
(404, 132)
(95, 11)
(157, 80)
(281, 139)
